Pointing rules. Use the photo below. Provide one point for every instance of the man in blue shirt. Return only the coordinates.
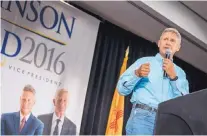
(145, 80)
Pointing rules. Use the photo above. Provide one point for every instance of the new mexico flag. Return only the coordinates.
(116, 118)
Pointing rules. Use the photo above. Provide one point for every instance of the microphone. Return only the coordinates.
(167, 56)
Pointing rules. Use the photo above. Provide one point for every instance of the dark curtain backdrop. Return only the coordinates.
(111, 44)
(108, 56)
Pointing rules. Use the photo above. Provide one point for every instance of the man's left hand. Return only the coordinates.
(168, 66)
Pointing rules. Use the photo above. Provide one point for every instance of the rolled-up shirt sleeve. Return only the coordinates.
(180, 87)
(129, 79)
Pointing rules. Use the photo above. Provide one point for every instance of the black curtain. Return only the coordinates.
(108, 56)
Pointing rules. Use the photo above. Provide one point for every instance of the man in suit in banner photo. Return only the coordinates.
(22, 122)
(57, 123)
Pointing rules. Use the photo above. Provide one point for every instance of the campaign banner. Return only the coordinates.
(50, 46)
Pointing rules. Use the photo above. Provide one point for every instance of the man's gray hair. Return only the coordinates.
(60, 91)
(29, 88)
(173, 30)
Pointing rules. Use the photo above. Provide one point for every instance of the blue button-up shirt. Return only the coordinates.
(153, 89)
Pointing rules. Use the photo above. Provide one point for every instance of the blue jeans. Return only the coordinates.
(140, 122)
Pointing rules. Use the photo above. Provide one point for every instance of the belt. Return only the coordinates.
(145, 107)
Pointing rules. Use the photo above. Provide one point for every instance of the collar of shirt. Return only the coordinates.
(159, 58)
(26, 117)
(54, 119)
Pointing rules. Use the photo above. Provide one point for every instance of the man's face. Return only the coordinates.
(61, 102)
(27, 101)
(168, 40)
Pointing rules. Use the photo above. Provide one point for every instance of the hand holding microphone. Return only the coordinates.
(168, 66)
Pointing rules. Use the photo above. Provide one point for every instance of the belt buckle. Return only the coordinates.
(154, 110)
(151, 109)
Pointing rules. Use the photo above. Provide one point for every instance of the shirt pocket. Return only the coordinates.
(156, 74)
